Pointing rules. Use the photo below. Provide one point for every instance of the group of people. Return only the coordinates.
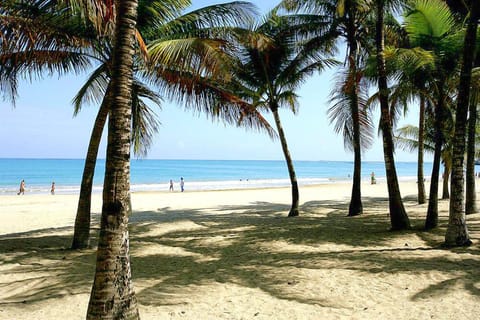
(182, 185)
(22, 188)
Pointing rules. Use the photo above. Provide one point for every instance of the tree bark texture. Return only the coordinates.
(446, 179)
(421, 138)
(398, 216)
(112, 295)
(432, 210)
(457, 231)
(470, 194)
(356, 207)
(291, 170)
(81, 235)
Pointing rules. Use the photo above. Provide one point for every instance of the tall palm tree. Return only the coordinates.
(431, 26)
(112, 295)
(411, 68)
(398, 216)
(470, 193)
(347, 19)
(457, 231)
(185, 35)
(274, 60)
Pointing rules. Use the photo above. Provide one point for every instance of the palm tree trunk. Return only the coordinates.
(112, 295)
(81, 235)
(470, 195)
(398, 216)
(355, 208)
(291, 170)
(457, 232)
(432, 211)
(446, 179)
(421, 138)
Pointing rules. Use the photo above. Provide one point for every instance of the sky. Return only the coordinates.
(41, 125)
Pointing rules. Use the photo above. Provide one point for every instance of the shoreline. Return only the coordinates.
(199, 186)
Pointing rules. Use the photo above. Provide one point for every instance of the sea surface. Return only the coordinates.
(154, 175)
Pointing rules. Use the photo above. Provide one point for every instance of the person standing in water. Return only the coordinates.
(52, 190)
(182, 184)
(22, 188)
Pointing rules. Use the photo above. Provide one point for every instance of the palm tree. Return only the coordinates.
(470, 194)
(457, 232)
(93, 46)
(274, 60)
(348, 111)
(408, 138)
(431, 26)
(185, 36)
(398, 216)
(412, 68)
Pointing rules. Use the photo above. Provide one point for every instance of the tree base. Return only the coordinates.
(293, 213)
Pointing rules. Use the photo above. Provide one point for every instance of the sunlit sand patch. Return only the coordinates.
(160, 229)
(144, 249)
(280, 246)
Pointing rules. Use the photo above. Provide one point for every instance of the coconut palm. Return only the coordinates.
(411, 68)
(408, 139)
(112, 293)
(398, 217)
(163, 24)
(431, 26)
(172, 29)
(275, 58)
(348, 112)
(457, 231)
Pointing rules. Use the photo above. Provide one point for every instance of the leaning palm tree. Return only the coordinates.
(398, 216)
(274, 60)
(188, 40)
(112, 295)
(348, 23)
(457, 231)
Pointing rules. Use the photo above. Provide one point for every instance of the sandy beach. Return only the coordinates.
(235, 255)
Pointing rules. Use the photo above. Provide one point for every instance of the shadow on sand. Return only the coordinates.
(254, 246)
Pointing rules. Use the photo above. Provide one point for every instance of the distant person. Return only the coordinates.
(182, 184)
(52, 189)
(22, 188)
(171, 185)
(372, 178)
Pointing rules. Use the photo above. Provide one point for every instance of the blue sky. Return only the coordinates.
(42, 126)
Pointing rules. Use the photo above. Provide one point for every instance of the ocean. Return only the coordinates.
(154, 175)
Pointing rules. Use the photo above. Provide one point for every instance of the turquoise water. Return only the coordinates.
(154, 175)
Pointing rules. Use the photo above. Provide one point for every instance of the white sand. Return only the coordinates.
(235, 255)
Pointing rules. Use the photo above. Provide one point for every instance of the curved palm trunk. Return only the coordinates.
(81, 235)
(421, 138)
(355, 208)
(470, 195)
(432, 211)
(457, 232)
(291, 171)
(112, 295)
(446, 179)
(398, 216)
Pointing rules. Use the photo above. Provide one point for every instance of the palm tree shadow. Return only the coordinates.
(254, 246)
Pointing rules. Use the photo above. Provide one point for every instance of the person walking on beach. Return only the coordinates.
(182, 184)
(171, 185)
(52, 190)
(373, 180)
(22, 188)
